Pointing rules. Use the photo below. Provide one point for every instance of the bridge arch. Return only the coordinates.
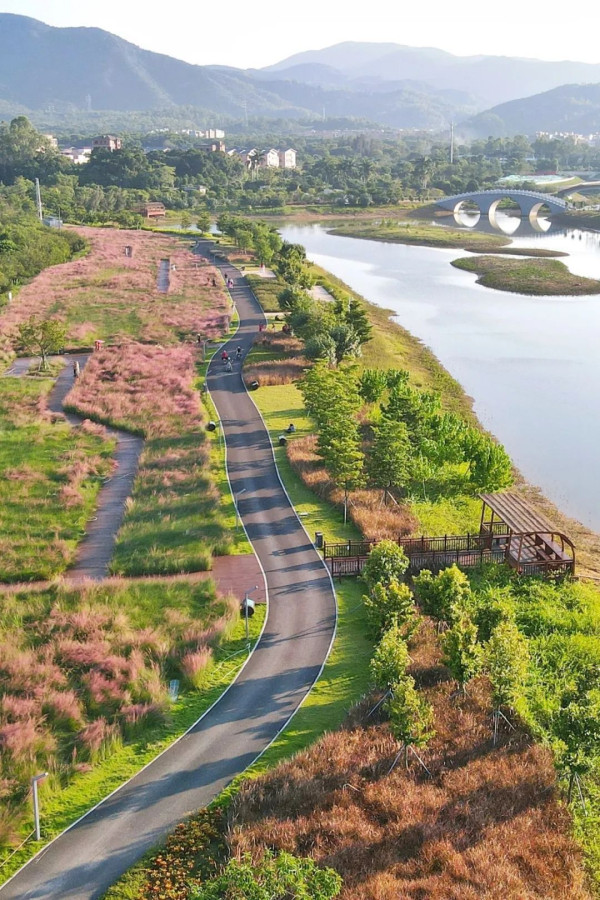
(530, 203)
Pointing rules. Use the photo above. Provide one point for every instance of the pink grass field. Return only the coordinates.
(97, 294)
(78, 673)
(143, 387)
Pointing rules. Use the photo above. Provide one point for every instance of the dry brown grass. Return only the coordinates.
(488, 824)
(288, 366)
(366, 509)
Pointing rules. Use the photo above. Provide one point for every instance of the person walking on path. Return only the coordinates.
(76, 368)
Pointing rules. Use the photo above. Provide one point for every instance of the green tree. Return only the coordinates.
(275, 877)
(42, 336)
(387, 562)
(411, 717)
(506, 660)
(344, 459)
(462, 652)
(389, 460)
(389, 604)
(203, 220)
(390, 659)
(577, 727)
(372, 384)
(445, 596)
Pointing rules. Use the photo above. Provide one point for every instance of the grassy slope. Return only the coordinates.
(532, 276)
(44, 508)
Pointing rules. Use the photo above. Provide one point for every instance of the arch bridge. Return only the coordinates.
(529, 202)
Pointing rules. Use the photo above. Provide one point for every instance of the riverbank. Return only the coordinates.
(539, 277)
(393, 345)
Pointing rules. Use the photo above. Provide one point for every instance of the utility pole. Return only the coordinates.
(38, 200)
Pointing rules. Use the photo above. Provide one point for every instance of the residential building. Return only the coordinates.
(269, 159)
(151, 210)
(287, 159)
(77, 155)
(106, 142)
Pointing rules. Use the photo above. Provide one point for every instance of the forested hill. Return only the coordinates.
(494, 79)
(47, 68)
(571, 108)
(87, 67)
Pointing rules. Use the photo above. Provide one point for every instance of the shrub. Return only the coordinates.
(390, 660)
(386, 605)
(462, 652)
(275, 877)
(443, 596)
(387, 562)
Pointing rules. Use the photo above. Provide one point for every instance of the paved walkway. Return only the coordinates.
(95, 551)
(85, 860)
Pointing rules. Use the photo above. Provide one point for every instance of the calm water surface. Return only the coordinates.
(532, 365)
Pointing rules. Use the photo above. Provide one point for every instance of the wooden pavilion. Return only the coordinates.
(532, 544)
(511, 531)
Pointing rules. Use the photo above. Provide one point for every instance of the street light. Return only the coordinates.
(36, 802)
(248, 608)
(235, 503)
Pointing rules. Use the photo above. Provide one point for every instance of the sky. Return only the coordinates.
(244, 34)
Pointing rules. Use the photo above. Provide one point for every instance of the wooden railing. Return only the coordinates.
(435, 553)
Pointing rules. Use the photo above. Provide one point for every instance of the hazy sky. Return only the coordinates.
(243, 33)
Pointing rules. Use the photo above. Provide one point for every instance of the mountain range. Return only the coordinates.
(58, 69)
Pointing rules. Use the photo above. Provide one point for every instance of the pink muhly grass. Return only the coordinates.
(21, 671)
(96, 737)
(196, 664)
(83, 656)
(141, 714)
(69, 496)
(145, 388)
(13, 708)
(22, 743)
(63, 708)
(81, 624)
(104, 691)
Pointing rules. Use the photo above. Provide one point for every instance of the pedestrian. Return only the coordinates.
(228, 366)
(76, 369)
(224, 356)
(291, 428)
(238, 352)
(214, 281)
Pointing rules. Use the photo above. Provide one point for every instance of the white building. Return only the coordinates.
(77, 155)
(287, 159)
(269, 159)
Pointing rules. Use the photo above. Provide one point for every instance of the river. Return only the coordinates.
(531, 364)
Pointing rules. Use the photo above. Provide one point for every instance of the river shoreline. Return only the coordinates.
(427, 370)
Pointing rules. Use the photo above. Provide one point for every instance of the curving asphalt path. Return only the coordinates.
(84, 861)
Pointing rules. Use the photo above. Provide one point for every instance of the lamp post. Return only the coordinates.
(36, 802)
(236, 501)
(247, 609)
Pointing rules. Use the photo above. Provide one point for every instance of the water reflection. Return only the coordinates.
(503, 222)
